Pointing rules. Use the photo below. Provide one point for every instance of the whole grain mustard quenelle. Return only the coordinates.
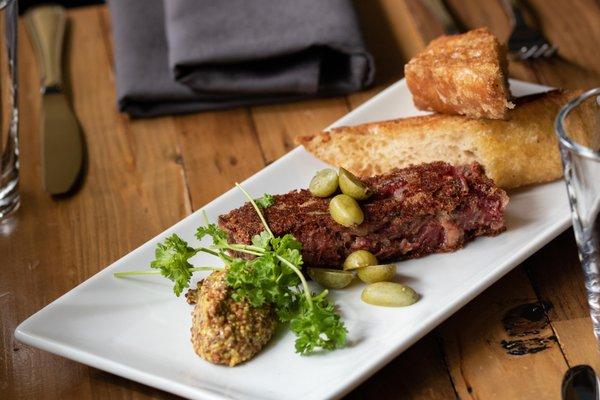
(225, 331)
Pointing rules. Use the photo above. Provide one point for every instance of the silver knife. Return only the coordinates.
(439, 10)
(62, 138)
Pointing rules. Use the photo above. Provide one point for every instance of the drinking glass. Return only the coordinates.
(578, 130)
(9, 141)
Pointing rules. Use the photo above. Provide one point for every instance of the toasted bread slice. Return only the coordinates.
(520, 151)
(461, 74)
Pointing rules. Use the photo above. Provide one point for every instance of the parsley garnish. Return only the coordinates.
(266, 201)
(272, 277)
(171, 258)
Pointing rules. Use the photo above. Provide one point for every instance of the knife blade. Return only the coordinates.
(62, 137)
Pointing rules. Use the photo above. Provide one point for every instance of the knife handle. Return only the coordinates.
(46, 27)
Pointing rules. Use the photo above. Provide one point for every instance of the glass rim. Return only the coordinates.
(561, 132)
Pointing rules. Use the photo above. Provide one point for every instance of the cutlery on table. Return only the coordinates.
(62, 138)
(580, 383)
(525, 42)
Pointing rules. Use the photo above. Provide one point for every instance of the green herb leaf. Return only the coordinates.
(318, 327)
(262, 280)
(171, 258)
(285, 242)
(289, 248)
(293, 256)
(266, 201)
(218, 235)
(262, 240)
(243, 279)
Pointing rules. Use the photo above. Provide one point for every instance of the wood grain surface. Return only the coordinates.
(145, 175)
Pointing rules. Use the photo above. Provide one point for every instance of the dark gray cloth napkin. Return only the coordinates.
(177, 56)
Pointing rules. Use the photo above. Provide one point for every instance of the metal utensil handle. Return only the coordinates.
(46, 27)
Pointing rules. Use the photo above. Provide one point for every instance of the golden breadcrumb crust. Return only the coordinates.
(461, 74)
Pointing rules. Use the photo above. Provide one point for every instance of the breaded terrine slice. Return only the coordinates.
(414, 211)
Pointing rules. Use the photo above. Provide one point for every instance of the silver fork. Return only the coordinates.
(525, 43)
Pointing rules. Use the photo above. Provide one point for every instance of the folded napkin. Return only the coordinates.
(177, 56)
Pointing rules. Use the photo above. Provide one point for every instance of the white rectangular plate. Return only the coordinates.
(138, 329)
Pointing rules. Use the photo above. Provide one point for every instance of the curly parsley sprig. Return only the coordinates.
(273, 276)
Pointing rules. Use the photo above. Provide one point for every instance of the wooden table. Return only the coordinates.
(145, 175)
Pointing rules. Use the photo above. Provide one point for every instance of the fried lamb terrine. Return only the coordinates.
(413, 211)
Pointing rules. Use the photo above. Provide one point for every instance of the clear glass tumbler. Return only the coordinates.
(578, 130)
(9, 140)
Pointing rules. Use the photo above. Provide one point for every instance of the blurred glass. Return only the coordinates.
(9, 144)
(578, 130)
